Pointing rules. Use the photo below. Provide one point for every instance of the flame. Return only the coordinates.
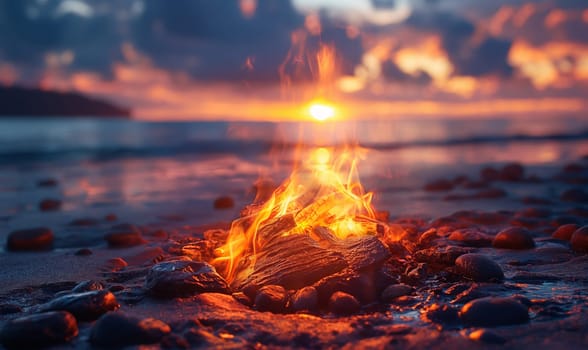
(323, 191)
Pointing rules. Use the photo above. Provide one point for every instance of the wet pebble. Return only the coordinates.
(50, 204)
(396, 290)
(271, 298)
(86, 306)
(439, 185)
(579, 240)
(83, 252)
(33, 239)
(514, 238)
(512, 172)
(343, 304)
(305, 299)
(179, 278)
(479, 268)
(84, 222)
(39, 330)
(124, 235)
(116, 264)
(471, 237)
(441, 314)
(118, 330)
(494, 312)
(564, 232)
(224, 202)
(486, 336)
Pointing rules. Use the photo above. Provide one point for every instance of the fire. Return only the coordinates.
(321, 203)
(321, 111)
(324, 191)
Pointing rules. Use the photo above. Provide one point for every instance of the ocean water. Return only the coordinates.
(149, 172)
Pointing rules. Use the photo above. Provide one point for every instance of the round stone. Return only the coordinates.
(86, 306)
(565, 232)
(579, 240)
(271, 298)
(182, 278)
(479, 268)
(305, 299)
(494, 312)
(39, 330)
(394, 291)
(124, 235)
(118, 330)
(33, 239)
(343, 304)
(514, 238)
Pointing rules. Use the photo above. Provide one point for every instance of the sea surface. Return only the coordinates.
(146, 172)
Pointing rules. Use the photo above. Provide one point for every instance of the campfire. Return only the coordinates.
(310, 227)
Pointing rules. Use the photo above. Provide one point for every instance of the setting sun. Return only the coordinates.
(321, 111)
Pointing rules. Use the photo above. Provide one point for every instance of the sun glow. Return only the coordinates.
(321, 111)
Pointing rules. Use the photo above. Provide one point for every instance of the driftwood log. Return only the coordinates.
(295, 260)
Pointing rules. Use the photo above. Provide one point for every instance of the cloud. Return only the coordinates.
(468, 54)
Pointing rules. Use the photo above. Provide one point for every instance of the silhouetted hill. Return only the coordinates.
(18, 101)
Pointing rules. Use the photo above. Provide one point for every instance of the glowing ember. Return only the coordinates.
(321, 111)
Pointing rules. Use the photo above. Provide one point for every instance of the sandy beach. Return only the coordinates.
(113, 219)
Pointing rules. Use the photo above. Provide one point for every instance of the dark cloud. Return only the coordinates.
(31, 29)
(392, 73)
(213, 40)
(468, 55)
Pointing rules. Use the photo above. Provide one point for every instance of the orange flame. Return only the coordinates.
(324, 191)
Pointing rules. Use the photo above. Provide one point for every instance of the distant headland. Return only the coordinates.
(20, 101)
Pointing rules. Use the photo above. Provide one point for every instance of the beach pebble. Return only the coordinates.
(579, 240)
(564, 232)
(271, 298)
(574, 195)
(486, 336)
(489, 174)
(305, 299)
(87, 286)
(512, 172)
(83, 252)
(115, 264)
(118, 330)
(471, 237)
(179, 278)
(341, 303)
(86, 306)
(50, 204)
(124, 235)
(48, 182)
(224, 202)
(32, 239)
(439, 185)
(394, 291)
(514, 238)
(111, 217)
(441, 314)
(84, 222)
(479, 268)
(494, 312)
(39, 330)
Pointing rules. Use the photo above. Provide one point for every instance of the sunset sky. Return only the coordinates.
(257, 59)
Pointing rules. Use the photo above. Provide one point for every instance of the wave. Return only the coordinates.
(243, 148)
